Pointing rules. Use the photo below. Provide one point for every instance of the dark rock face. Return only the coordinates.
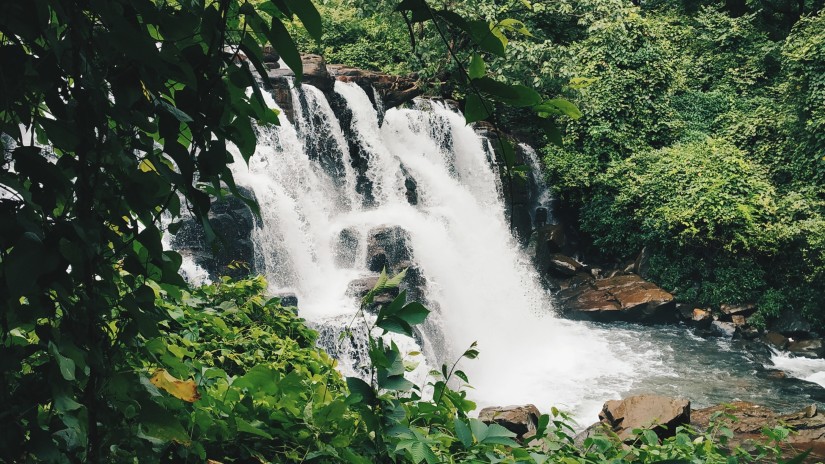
(559, 265)
(792, 324)
(346, 248)
(287, 299)
(620, 298)
(388, 248)
(550, 239)
(751, 418)
(521, 420)
(645, 411)
(360, 287)
(234, 254)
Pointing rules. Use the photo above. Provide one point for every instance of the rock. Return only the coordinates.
(360, 287)
(645, 411)
(776, 340)
(702, 316)
(598, 428)
(550, 239)
(387, 248)
(791, 324)
(540, 216)
(233, 254)
(394, 90)
(346, 248)
(740, 309)
(620, 298)
(287, 299)
(684, 311)
(776, 374)
(738, 320)
(749, 419)
(521, 420)
(315, 74)
(723, 329)
(412, 189)
(559, 265)
(808, 348)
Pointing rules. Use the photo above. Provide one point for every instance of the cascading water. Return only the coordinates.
(481, 286)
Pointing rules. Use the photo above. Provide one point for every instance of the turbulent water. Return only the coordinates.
(481, 286)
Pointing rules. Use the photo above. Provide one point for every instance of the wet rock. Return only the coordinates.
(559, 265)
(776, 374)
(550, 239)
(521, 420)
(346, 248)
(411, 187)
(233, 254)
(287, 299)
(808, 348)
(645, 411)
(394, 90)
(776, 340)
(749, 419)
(540, 217)
(387, 248)
(722, 329)
(738, 309)
(702, 317)
(358, 288)
(620, 298)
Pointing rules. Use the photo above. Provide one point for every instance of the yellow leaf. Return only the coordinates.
(185, 390)
(147, 166)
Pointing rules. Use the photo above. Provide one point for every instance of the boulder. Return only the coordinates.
(233, 254)
(738, 309)
(388, 248)
(521, 420)
(394, 90)
(722, 329)
(738, 320)
(645, 411)
(748, 420)
(559, 265)
(808, 348)
(702, 317)
(287, 299)
(776, 340)
(346, 248)
(360, 287)
(619, 298)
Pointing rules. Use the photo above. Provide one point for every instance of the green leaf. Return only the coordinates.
(515, 26)
(309, 16)
(477, 67)
(515, 95)
(421, 452)
(285, 46)
(476, 109)
(394, 382)
(463, 433)
(66, 365)
(244, 426)
(414, 313)
(479, 429)
(363, 389)
(799, 458)
(559, 107)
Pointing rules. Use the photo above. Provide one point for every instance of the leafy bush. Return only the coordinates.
(700, 194)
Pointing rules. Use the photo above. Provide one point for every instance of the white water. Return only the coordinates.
(478, 282)
(811, 370)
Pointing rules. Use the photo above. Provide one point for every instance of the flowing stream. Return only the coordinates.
(480, 285)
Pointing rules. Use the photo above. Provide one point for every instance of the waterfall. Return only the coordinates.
(478, 283)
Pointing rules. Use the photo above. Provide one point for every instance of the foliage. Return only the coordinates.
(114, 113)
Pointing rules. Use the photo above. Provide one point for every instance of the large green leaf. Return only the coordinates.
(285, 46)
(476, 109)
(309, 16)
(514, 95)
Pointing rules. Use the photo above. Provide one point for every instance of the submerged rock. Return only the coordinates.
(521, 420)
(645, 411)
(620, 298)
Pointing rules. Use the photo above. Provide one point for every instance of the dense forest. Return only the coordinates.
(691, 130)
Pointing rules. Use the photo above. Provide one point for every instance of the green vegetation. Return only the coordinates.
(117, 113)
